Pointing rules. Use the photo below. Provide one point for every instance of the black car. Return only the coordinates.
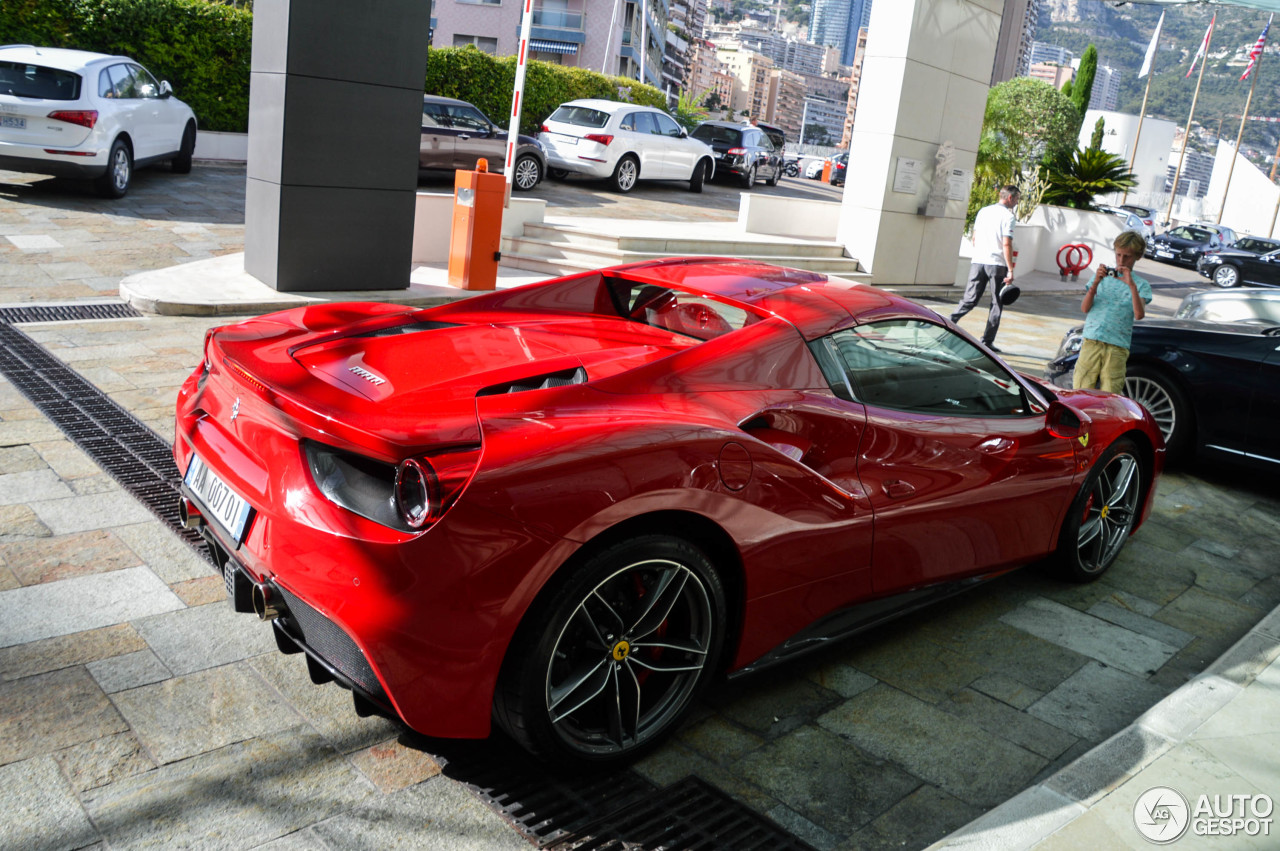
(1252, 260)
(838, 168)
(455, 134)
(1184, 244)
(745, 151)
(1210, 377)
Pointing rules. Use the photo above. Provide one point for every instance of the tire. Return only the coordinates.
(791, 171)
(625, 174)
(557, 173)
(181, 164)
(1103, 514)
(1167, 405)
(115, 183)
(749, 179)
(585, 645)
(1226, 276)
(699, 176)
(777, 175)
(528, 173)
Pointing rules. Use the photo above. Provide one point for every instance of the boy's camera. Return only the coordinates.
(1110, 272)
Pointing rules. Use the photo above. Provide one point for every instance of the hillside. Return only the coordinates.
(1122, 34)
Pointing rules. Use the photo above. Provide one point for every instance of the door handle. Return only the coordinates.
(897, 489)
(463, 136)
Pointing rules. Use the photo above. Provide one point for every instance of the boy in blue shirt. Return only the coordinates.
(1116, 298)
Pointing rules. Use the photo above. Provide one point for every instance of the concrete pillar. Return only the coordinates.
(334, 126)
(926, 73)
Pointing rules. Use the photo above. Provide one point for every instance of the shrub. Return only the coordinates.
(202, 49)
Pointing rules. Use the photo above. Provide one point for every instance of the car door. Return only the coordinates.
(769, 162)
(642, 138)
(474, 137)
(1263, 269)
(127, 107)
(679, 155)
(956, 458)
(1264, 408)
(164, 119)
(436, 148)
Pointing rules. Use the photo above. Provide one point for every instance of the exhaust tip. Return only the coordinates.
(267, 604)
(190, 514)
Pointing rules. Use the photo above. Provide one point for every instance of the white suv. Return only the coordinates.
(71, 113)
(623, 142)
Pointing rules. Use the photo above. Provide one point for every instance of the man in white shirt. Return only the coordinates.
(992, 260)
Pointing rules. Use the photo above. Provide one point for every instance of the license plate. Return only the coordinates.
(15, 123)
(1164, 253)
(216, 500)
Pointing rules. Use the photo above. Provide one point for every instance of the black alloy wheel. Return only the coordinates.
(1104, 512)
(1167, 405)
(610, 663)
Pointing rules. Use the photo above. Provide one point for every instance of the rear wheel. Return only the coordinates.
(1167, 405)
(557, 173)
(1103, 514)
(626, 173)
(527, 174)
(749, 179)
(181, 164)
(115, 183)
(1226, 276)
(609, 664)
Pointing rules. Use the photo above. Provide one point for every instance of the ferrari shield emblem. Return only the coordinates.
(1084, 439)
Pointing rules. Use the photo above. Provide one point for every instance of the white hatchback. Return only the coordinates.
(71, 113)
(624, 143)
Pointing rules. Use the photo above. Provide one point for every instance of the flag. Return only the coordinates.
(1151, 49)
(1256, 50)
(1204, 46)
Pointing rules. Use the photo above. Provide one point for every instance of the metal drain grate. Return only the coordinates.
(68, 312)
(124, 447)
(690, 815)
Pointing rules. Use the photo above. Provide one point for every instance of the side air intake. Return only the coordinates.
(538, 382)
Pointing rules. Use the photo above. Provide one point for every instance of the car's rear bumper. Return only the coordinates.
(579, 165)
(37, 161)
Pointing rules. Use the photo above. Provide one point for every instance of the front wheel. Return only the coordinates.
(181, 164)
(1167, 405)
(609, 664)
(1103, 514)
(1226, 276)
(699, 176)
(625, 174)
(527, 173)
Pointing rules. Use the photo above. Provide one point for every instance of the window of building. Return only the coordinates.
(485, 43)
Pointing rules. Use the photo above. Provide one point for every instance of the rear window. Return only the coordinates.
(711, 133)
(582, 116)
(35, 81)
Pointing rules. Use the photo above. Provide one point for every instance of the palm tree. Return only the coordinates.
(1074, 181)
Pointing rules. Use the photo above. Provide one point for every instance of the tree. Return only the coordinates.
(1099, 128)
(1082, 88)
(1027, 121)
(815, 134)
(1075, 180)
(691, 111)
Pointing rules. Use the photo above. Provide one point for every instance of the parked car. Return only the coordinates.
(1210, 376)
(455, 134)
(568, 506)
(1147, 214)
(624, 143)
(742, 151)
(1132, 221)
(813, 170)
(1252, 260)
(838, 167)
(71, 113)
(1184, 244)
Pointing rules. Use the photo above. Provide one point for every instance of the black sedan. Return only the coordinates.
(1184, 244)
(745, 152)
(1252, 260)
(1212, 382)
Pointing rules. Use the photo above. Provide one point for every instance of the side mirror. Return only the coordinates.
(166, 90)
(1066, 422)
(684, 134)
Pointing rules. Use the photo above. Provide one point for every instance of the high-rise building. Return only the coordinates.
(751, 73)
(787, 93)
(1106, 89)
(829, 24)
(1044, 52)
(859, 18)
(1017, 35)
(851, 105)
(1053, 74)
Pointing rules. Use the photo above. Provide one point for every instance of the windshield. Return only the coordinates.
(1193, 234)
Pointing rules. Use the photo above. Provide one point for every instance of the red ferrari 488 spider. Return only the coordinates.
(567, 507)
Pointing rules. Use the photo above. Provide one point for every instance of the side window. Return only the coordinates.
(666, 125)
(122, 83)
(644, 122)
(762, 139)
(468, 118)
(628, 121)
(106, 88)
(147, 87)
(913, 365)
(433, 115)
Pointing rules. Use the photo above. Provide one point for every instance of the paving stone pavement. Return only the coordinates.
(137, 711)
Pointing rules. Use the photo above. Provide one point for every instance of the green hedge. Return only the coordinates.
(202, 49)
(487, 81)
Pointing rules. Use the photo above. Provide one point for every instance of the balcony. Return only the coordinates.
(558, 19)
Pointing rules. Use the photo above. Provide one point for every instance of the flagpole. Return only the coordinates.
(1239, 136)
(1138, 135)
(1256, 69)
(1186, 137)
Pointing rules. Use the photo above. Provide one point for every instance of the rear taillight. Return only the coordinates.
(426, 487)
(737, 151)
(544, 129)
(599, 137)
(83, 117)
(1147, 222)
